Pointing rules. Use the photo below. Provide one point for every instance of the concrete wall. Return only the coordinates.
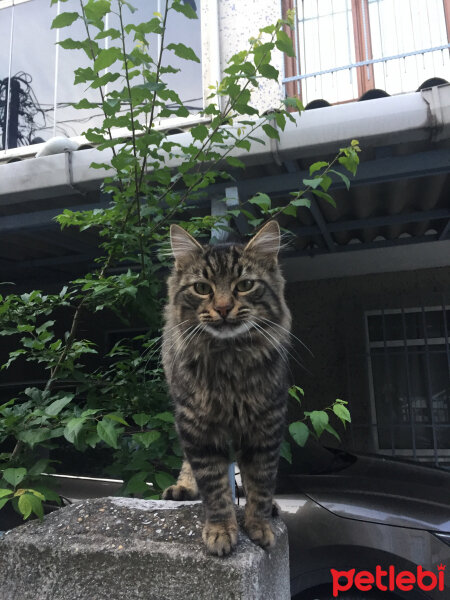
(237, 21)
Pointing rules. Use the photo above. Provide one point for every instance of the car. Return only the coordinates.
(365, 526)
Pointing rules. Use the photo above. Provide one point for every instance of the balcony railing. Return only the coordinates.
(344, 48)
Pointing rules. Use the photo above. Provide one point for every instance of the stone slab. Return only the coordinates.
(130, 549)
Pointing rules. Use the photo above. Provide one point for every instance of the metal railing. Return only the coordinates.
(352, 47)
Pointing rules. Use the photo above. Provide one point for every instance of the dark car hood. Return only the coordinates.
(383, 491)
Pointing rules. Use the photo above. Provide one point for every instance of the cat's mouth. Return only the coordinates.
(227, 329)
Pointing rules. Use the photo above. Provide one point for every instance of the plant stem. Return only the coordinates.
(133, 132)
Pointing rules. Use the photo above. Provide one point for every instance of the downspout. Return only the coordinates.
(437, 112)
(69, 173)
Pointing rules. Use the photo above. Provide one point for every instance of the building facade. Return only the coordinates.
(369, 279)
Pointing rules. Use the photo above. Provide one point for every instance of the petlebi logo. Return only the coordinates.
(389, 579)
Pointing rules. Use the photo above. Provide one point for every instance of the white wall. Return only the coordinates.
(237, 21)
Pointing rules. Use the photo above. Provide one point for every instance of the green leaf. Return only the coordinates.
(84, 103)
(39, 467)
(104, 79)
(164, 480)
(167, 417)
(271, 131)
(301, 202)
(117, 418)
(268, 71)
(349, 163)
(147, 438)
(299, 432)
(344, 178)
(290, 210)
(285, 451)
(321, 164)
(114, 34)
(14, 476)
(30, 502)
(284, 43)
(34, 436)
(333, 431)
(108, 433)
(262, 200)
(186, 9)
(73, 428)
(342, 413)
(70, 44)
(137, 484)
(319, 419)
(281, 120)
(235, 162)
(262, 54)
(36, 503)
(313, 183)
(200, 132)
(183, 51)
(95, 10)
(295, 392)
(64, 20)
(3, 501)
(325, 183)
(141, 419)
(25, 505)
(324, 196)
(107, 57)
(56, 407)
(37, 494)
(5, 492)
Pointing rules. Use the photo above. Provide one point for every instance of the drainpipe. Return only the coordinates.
(438, 112)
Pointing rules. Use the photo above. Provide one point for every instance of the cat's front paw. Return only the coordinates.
(180, 492)
(220, 538)
(260, 531)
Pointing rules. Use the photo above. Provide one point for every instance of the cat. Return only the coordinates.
(224, 355)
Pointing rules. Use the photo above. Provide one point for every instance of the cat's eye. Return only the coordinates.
(245, 285)
(202, 288)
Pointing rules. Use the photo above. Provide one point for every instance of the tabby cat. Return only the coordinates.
(224, 354)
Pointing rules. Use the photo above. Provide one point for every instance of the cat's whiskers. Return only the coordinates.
(287, 331)
(282, 345)
(179, 338)
(185, 342)
(158, 341)
(159, 345)
(248, 327)
(278, 348)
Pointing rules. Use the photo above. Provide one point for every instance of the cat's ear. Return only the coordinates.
(183, 245)
(266, 243)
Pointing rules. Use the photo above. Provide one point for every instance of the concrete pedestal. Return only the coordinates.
(128, 549)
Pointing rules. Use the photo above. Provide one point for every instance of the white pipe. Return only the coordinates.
(55, 91)
(11, 41)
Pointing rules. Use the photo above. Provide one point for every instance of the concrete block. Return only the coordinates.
(129, 549)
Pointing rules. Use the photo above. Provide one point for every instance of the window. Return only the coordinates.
(401, 44)
(36, 78)
(409, 373)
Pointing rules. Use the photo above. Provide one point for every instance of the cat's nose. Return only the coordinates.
(223, 309)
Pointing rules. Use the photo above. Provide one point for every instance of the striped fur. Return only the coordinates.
(224, 355)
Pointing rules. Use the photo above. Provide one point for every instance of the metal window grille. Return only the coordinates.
(408, 361)
(346, 47)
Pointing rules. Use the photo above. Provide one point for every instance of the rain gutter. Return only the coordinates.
(392, 120)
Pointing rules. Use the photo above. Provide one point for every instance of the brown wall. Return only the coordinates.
(329, 318)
